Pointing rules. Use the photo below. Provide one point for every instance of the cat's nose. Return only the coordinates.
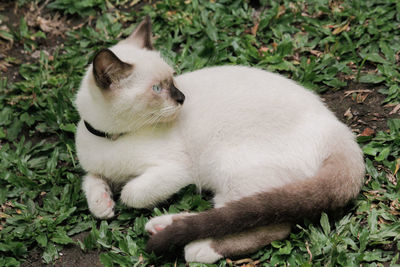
(180, 98)
(177, 95)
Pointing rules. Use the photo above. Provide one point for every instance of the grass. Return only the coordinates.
(324, 45)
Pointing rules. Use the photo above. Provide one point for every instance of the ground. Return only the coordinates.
(348, 54)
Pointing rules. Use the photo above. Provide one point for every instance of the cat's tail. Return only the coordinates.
(338, 180)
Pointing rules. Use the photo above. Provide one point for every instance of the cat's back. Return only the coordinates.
(236, 87)
(247, 98)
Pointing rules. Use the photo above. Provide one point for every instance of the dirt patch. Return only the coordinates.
(75, 257)
(71, 256)
(360, 107)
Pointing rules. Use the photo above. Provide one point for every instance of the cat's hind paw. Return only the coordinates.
(159, 223)
(101, 205)
(201, 251)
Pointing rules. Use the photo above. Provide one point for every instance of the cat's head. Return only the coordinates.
(129, 86)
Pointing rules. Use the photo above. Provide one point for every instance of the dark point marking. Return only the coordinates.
(175, 94)
(143, 33)
(108, 68)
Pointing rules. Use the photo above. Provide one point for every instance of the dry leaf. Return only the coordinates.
(348, 114)
(316, 53)
(382, 221)
(5, 45)
(338, 30)
(397, 166)
(391, 178)
(170, 13)
(4, 215)
(395, 110)
(336, 6)
(348, 77)
(281, 11)
(375, 193)
(134, 2)
(367, 132)
(263, 49)
(36, 54)
(395, 205)
(54, 25)
(246, 262)
(394, 212)
(254, 28)
(347, 93)
(352, 65)
(360, 98)
(4, 65)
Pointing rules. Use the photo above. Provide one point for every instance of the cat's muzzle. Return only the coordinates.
(176, 95)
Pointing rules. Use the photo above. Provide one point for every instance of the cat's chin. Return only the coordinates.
(170, 117)
(171, 113)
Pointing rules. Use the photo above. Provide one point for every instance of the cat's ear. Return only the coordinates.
(109, 69)
(141, 36)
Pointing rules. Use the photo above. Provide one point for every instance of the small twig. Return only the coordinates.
(395, 110)
(347, 93)
(308, 251)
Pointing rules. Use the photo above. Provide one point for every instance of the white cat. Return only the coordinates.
(268, 148)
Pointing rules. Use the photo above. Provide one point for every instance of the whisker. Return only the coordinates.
(152, 118)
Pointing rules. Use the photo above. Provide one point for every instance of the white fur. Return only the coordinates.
(240, 131)
(201, 251)
(98, 195)
(158, 223)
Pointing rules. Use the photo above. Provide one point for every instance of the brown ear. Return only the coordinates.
(141, 36)
(108, 68)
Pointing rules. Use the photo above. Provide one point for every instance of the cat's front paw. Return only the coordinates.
(101, 205)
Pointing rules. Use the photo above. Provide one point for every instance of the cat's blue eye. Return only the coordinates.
(157, 88)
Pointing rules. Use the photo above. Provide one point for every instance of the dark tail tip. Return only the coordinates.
(154, 246)
(161, 242)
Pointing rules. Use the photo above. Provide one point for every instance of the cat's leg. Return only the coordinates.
(153, 186)
(210, 250)
(98, 195)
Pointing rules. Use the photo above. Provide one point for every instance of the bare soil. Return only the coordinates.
(71, 256)
(360, 107)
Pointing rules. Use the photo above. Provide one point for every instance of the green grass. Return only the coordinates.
(317, 43)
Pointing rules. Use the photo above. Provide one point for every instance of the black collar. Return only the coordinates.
(100, 133)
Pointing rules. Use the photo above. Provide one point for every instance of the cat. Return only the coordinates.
(269, 149)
